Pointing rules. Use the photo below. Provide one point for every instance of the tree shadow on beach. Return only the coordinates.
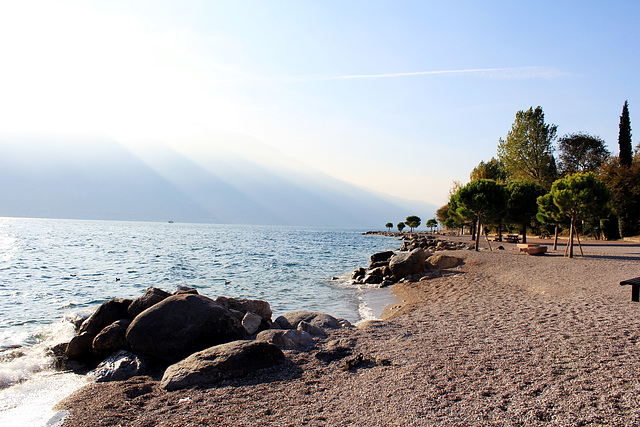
(613, 257)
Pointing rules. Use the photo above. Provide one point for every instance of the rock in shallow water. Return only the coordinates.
(404, 264)
(105, 315)
(112, 338)
(150, 297)
(232, 360)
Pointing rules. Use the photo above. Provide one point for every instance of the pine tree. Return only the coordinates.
(624, 138)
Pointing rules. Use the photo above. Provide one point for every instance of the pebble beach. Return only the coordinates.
(503, 339)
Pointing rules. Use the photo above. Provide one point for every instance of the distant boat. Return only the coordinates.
(171, 221)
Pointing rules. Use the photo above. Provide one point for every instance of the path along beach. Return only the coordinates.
(504, 339)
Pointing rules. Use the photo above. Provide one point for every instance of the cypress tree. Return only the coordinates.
(624, 138)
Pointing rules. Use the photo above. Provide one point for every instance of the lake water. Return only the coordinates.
(50, 269)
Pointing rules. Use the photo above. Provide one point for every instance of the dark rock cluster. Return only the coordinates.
(193, 339)
(416, 259)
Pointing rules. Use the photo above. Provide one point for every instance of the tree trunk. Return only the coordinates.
(580, 245)
(555, 239)
(524, 232)
(500, 232)
(486, 236)
(571, 239)
(478, 234)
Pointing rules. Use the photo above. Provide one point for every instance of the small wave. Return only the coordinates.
(365, 312)
(19, 364)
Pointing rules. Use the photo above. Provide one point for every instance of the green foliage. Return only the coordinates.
(443, 213)
(493, 169)
(581, 197)
(527, 153)
(624, 184)
(458, 215)
(485, 199)
(431, 223)
(400, 226)
(389, 225)
(549, 213)
(412, 222)
(581, 152)
(624, 137)
(522, 205)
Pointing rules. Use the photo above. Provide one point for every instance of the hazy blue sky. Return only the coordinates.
(399, 96)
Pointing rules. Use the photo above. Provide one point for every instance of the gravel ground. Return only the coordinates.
(504, 339)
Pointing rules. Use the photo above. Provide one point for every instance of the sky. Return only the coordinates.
(401, 97)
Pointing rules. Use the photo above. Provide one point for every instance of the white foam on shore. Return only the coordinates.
(373, 301)
(19, 363)
(31, 402)
(29, 387)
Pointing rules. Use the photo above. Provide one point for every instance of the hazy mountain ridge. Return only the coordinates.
(100, 179)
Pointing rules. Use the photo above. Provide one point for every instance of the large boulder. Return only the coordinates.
(105, 315)
(381, 257)
(112, 338)
(150, 297)
(80, 346)
(359, 274)
(374, 276)
(321, 320)
(232, 360)
(404, 264)
(443, 261)
(287, 339)
(181, 325)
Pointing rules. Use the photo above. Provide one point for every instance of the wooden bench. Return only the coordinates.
(512, 238)
(635, 288)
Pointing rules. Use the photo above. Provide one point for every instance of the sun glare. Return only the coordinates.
(74, 71)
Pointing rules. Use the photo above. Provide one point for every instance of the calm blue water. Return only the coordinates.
(52, 268)
(49, 268)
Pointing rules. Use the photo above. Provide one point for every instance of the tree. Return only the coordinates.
(431, 223)
(388, 225)
(581, 152)
(624, 184)
(400, 226)
(522, 204)
(624, 137)
(442, 213)
(485, 198)
(580, 196)
(527, 153)
(493, 169)
(413, 222)
(548, 213)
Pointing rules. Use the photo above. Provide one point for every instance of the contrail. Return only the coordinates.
(499, 73)
(513, 72)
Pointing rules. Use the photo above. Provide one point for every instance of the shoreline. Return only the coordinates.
(506, 339)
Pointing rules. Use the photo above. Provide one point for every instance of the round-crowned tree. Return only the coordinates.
(487, 200)
(412, 222)
(579, 197)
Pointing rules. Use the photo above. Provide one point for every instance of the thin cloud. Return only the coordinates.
(504, 73)
(510, 73)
